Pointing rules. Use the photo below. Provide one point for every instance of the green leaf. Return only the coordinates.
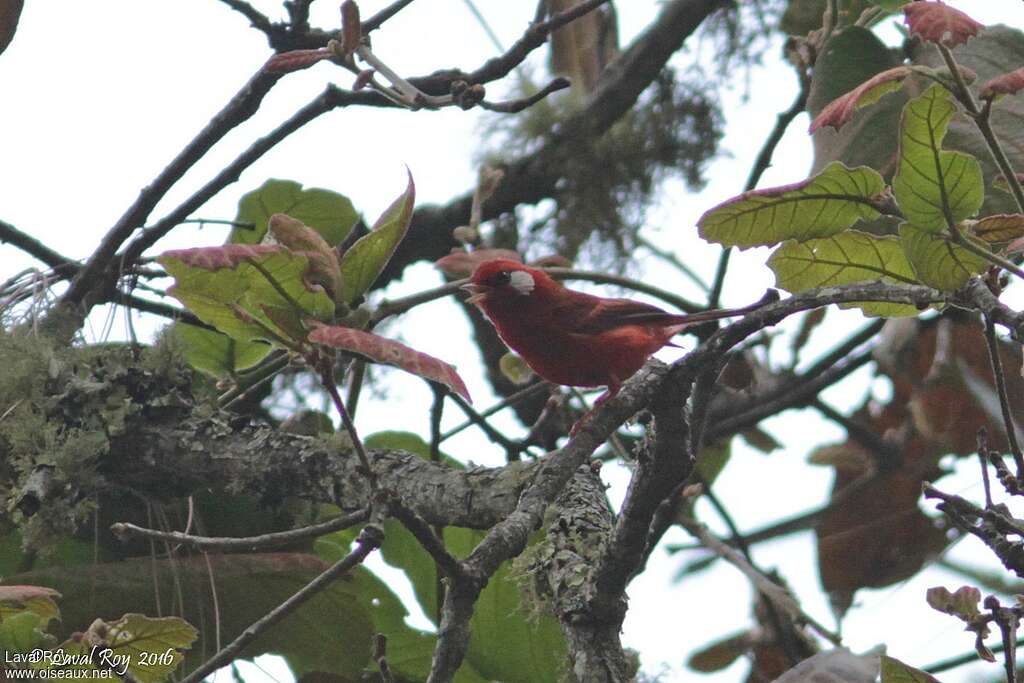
(366, 259)
(409, 651)
(936, 261)
(506, 644)
(148, 647)
(248, 586)
(215, 353)
(895, 671)
(932, 185)
(848, 257)
(824, 205)
(228, 287)
(329, 213)
(24, 632)
(36, 599)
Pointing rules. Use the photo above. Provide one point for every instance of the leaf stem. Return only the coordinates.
(991, 257)
(326, 367)
(1004, 399)
(982, 118)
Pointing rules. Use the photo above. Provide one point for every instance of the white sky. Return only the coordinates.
(98, 97)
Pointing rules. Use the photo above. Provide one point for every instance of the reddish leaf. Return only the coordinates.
(939, 23)
(302, 239)
(1007, 84)
(1001, 227)
(388, 351)
(840, 110)
(216, 258)
(1015, 246)
(461, 263)
(23, 593)
(351, 27)
(876, 535)
(296, 60)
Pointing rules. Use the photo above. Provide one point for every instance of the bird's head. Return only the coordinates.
(505, 279)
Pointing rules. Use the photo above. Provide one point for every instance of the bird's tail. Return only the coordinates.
(681, 322)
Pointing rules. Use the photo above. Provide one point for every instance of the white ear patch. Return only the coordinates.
(521, 281)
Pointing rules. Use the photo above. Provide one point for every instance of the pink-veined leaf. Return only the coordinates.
(840, 110)
(1007, 84)
(939, 23)
(296, 60)
(461, 263)
(388, 351)
(226, 256)
(219, 284)
(24, 593)
(299, 237)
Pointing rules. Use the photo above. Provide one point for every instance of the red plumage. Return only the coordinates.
(569, 337)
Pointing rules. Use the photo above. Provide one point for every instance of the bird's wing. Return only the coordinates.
(593, 315)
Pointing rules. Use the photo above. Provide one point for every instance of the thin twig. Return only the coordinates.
(773, 592)
(517, 105)
(1004, 398)
(982, 118)
(125, 531)
(374, 22)
(259, 20)
(506, 402)
(674, 261)
(30, 245)
(240, 108)
(761, 164)
(369, 540)
(327, 379)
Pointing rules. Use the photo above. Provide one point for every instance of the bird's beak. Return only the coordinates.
(477, 293)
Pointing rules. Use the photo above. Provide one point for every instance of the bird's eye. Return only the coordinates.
(502, 278)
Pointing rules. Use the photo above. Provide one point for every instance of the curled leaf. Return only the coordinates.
(300, 238)
(296, 60)
(390, 352)
(840, 110)
(217, 258)
(939, 23)
(1001, 227)
(1007, 84)
(962, 604)
(351, 27)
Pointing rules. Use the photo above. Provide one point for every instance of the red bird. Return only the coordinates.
(572, 338)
